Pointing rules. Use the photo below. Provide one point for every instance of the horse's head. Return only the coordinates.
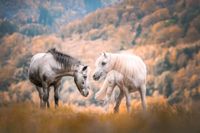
(102, 66)
(81, 79)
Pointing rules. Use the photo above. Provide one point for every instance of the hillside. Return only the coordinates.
(165, 33)
(32, 18)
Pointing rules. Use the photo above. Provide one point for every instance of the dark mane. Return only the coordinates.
(64, 59)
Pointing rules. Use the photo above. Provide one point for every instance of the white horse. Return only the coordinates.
(129, 75)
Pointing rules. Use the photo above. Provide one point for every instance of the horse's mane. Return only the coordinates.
(63, 59)
(127, 64)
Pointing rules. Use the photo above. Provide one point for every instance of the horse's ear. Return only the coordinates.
(52, 50)
(77, 68)
(104, 54)
(84, 68)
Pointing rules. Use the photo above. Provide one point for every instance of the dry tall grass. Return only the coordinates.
(160, 117)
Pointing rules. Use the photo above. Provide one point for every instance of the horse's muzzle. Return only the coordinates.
(95, 77)
(85, 94)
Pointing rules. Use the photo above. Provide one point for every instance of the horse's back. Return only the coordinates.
(37, 57)
(35, 62)
(139, 64)
(133, 62)
(133, 68)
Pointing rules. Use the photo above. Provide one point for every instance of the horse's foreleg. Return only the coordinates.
(40, 92)
(56, 97)
(108, 96)
(46, 95)
(118, 102)
(47, 101)
(142, 91)
(103, 90)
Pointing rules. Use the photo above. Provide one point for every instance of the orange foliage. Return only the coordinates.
(15, 46)
(95, 20)
(192, 35)
(21, 91)
(180, 5)
(7, 72)
(158, 15)
(173, 56)
(181, 60)
(157, 27)
(10, 42)
(192, 3)
(148, 6)
(195, 23)
(180, 80)
(42, 43)
(5, 98)
(171, 32)
(194, 80)
(133, 2)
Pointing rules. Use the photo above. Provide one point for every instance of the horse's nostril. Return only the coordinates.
(94, 76)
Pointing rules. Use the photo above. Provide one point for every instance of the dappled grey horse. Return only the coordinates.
(47, 69)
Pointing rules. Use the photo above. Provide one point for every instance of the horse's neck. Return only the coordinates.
(115, 62)
(69, 71)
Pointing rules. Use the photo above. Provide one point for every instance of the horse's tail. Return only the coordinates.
(100, 95)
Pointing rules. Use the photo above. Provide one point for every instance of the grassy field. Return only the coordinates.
(160, 118)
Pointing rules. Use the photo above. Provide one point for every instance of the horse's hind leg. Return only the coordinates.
(56, 97)
(142, 91)
(46, 95)
(128, 100)
(127, 95)
(40, 92)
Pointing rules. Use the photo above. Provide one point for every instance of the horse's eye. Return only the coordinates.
(103, 63)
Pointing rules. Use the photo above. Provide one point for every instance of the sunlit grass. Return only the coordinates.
(160, 117)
